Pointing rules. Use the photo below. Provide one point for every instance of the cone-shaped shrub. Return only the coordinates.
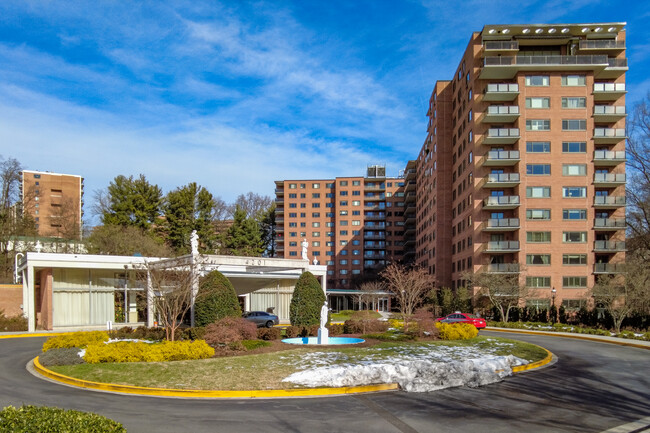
(306, 302)
(216, 299)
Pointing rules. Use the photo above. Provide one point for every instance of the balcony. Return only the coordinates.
(501, 224)
(379, 236)
(609, 113)
(500, 158)
(502, 247)
(279, 210)
(279, 191)
(279, 201)
(500, 47)
(615, 68)
(611, 180)
(501, 92)
(374, 187)
(501, 136)
(375, 217)
(608, 91)
(409, 219)
(501, 180)
(602, 46)
(502, 268)
(279, 220)
(609, 157)
(609, 135)
(501, 114)
(503, 67)
(368, 255)
(609, 224)
(375, 245)
(410, 185)
(374, 197)
(501, 202)
(609, 246)
(609, 268)
(609, 202)
(374, 226)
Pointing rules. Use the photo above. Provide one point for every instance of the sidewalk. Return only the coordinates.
(601, 338)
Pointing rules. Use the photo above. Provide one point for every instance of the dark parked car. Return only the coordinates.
(261, 318)
(463, 318)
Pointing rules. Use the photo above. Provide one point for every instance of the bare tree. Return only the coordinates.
(625, 293)
(370, 292)
(409, 285)
(638, 188)
(10, 170)
(503, 290)
(253, 204)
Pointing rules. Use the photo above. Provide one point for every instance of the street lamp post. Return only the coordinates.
(553, 292)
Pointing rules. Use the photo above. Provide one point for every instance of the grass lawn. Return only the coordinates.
(344, 315)
(266, 370)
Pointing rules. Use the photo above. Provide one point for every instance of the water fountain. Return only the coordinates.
(323, 337)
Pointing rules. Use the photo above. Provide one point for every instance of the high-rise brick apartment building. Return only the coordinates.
(354, 225)
(55, 201)
(523, 167)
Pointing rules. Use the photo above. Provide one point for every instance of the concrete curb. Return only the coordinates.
(536, 364)
(35, 334)
(567, 335)
(191, 393)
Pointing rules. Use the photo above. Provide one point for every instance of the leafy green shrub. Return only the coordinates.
(363, 326)
(335, 329)
(196, 333)
(646, 336)
(306, 302)
(626, 334)
(129, 351)
(63, 356)
(216, 299)
(254, 344)
(269, 334)
(229, 330)
(456, 331)
(12, 324)
(35, 419)
(75, 339)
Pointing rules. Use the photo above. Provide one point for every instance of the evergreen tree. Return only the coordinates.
(131, 202)
(189, 208)
(306, 302)
(216, 299)
(243, 237)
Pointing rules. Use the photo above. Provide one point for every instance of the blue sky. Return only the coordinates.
(234, 95)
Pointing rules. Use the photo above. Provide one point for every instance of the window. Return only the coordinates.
(343, 212)
(315, 244)
(37, 176)
(538, 259)
(538, 191)
(537, 80)
(356, 212)
(356, 182)
(343, 271)
(293, 253)
(574, 191)
(343, 203)
(315, 224)
(574, 214)
(574, 259)
(303, 185)
(538, 282)
(538, 125)
(315, 214)
(574, 125)
(343, 183)
(329, 224)
(315, 234)
(343, 223)
(538, 146)
(541, 102)
(574, 147)
(343, 232)
(293, 225)
(574, 102)
(356, 233)
(538, 214)
(293, 214)
(356, 192)
(315, 195)
(329, 185)
(293, 195)
(293, 244)
(343, 193)
(574, 282)
(574, 237)
(293, 205)
(356, 222)
(356, 203)
(538, 237)
(315, 205)
(573, 80)
(293, 234)
(344, 252)
(356, 262)
(538, 170)
(329, 195)
(574, 169)
(343, 262)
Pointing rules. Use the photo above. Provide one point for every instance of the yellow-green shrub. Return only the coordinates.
(129, 351)
(396, 324)
(456, 331)
(75, 339)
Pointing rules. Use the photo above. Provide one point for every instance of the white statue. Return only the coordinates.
(38, 247)
(304, 244)
(323, 315)
(315, 261)
(194, 243)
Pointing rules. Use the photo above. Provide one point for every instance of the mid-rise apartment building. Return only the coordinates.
(354, 225)
(54, 201)
(523, 167)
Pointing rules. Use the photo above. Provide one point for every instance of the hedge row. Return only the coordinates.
(129, 351)
(75, 339)
(560, 327)
(35, 419)
(456, 331)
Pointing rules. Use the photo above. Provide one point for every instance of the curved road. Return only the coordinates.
(593, 387)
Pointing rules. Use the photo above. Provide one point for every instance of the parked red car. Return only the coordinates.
(463, 318)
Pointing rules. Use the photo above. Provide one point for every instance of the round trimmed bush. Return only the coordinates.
(41, 419)
(216, 299)
(306, 302)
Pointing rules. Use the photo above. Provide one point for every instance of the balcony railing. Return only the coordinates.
(609, 135)
(608, 268)
(609, 223)
(504, 201)
(501, 157)
(500, 113)
(545, 60)
(502, 179)
(503, 268)
(601, 45)
(609, 157)
(610, 110)
(501, 45)
(613, 246)
(609, 201)
(503, 109)
(617, 63)
(375, 236)
(501, 135)
(501, 92)
(609, 87)
(502, 246)
(609, 178)
(503, 224)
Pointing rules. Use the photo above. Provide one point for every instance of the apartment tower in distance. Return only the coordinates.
(55, 201)
(354, 225)
(523, 167)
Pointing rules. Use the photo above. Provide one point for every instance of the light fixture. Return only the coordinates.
(585, 29)
(598, 29)
(538, 31)
(565, 30)
(525, 31)
(552, 30)
(505, 31)
(611, 29)
(491, 31)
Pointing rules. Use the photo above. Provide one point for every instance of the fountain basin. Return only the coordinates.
(331, 340)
